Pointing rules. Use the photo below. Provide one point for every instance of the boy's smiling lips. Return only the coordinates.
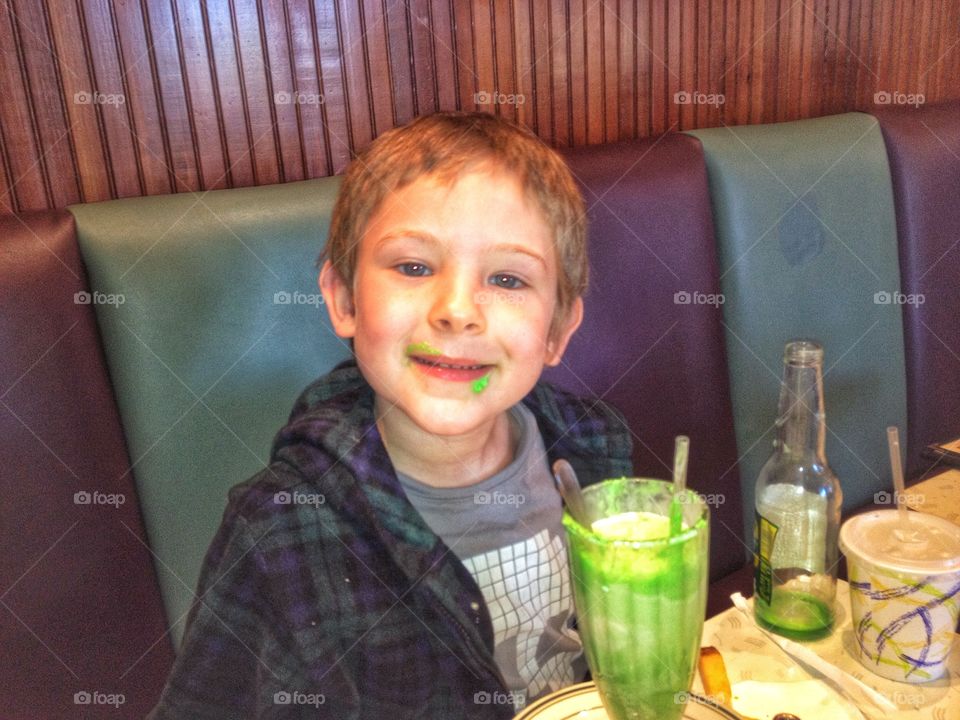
(450, 368)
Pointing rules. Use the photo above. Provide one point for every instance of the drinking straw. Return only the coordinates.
(851, 686)
(680, 454)
(893, 440)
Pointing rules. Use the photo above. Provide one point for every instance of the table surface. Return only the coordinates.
(939, 495)
(750, 655)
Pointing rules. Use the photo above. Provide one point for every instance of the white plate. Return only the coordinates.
(582, 702)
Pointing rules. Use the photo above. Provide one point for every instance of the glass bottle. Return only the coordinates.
(798, 502)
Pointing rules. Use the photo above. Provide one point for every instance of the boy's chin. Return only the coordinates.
(452, 419)
(454, 424)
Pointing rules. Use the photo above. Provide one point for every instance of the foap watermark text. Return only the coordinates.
(709, 499)
(885, 497)
(287, 97)
(898, 298)
(511, 699)
(94, 97)
(895, 97)
(492, 297)
(282, 297)
(299, 498)
(85, 497)
(485, 97)
(695, 97)
(685, 297)
(683, 697)
(499, 498)
(282, 697)
(98, 298)
(95, 697)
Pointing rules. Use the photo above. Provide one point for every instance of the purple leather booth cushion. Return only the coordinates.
(79, 603)
(651, 342)
(923, 145)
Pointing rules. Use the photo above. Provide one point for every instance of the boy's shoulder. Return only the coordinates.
(581, 430)
(314, 456)
(328, 454)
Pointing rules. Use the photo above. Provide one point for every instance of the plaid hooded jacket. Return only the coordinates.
(324, 593)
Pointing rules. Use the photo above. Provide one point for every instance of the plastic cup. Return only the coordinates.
(640, 594)
(904, 592)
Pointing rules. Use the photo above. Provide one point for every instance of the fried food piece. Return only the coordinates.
(713, 674)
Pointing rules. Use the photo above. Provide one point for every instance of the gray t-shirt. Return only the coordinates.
(506, 530)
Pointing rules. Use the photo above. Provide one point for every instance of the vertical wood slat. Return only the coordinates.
(378, 71)
(43, 99)
(200, 93)
(142, 111)
(7, 199)
(505, 80)
(524, 78)
(594, 81)
(200, 82)
(80, 89)
(285, 95)
(335, 111)
(578, 71)
(258, 101)
(351, 29)
(484, 55)
(23, 179)
(177, 114)
(560, 79)
(540, 71)
(624, 80)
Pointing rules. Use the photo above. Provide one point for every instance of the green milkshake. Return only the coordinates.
(640, 594)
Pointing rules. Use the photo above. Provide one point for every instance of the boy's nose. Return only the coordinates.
(456, 308)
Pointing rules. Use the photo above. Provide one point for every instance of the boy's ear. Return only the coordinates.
(338, 297)
(557, 344)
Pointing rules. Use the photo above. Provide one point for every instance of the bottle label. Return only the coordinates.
(764, 536)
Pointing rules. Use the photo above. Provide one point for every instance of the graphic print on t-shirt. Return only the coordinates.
(526, 586)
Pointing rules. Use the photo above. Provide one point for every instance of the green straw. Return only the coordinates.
(680, 455)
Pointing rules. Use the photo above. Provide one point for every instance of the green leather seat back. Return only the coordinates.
(807, 247)
(212, 323)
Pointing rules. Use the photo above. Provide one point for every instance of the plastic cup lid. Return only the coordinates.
(877, 538)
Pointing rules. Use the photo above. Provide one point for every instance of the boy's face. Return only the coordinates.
(452, 285)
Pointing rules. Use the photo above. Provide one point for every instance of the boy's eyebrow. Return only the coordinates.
(514, 248)
(418, 235)
(428, 239)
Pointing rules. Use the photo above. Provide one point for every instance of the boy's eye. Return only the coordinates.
(507, 282)
(413, 269)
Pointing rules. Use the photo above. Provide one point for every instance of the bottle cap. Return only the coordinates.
(803, 352)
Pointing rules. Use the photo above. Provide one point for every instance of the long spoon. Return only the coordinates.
(569, 488)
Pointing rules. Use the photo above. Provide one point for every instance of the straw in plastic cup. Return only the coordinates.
(904, 596)
(904, 532)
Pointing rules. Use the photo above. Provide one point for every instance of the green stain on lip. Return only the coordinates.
(480, 384)
(422, 348)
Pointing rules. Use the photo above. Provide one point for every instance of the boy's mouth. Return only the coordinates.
(457, 369)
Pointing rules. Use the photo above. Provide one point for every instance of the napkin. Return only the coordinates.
(804, 698)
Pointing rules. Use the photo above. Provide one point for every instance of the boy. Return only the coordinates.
(421, 569)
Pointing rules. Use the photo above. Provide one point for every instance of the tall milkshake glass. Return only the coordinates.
(640, 594)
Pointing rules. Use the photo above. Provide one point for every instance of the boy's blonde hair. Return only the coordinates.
(447, 145)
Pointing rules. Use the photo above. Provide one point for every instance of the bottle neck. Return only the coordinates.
(801, 426)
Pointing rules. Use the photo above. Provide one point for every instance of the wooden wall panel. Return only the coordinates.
(116, 98)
